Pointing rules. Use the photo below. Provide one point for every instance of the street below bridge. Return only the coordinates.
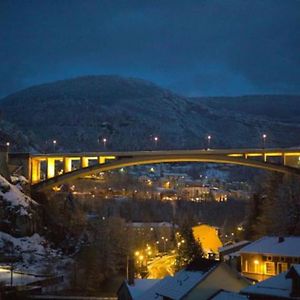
(161, 267)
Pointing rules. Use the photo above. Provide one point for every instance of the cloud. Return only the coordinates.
(196, 47)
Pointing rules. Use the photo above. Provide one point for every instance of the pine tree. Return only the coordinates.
(189, 249)
(275, 208)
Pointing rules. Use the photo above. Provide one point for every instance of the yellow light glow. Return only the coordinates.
(256, 262)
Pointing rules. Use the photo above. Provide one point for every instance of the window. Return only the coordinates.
(282, 267)
(269, 258)
(270, 268)
(295, 260)
(282, 258)
(246, 267)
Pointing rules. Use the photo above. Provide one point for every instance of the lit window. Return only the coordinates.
(245, 265)
(270, 268)
(282, 267)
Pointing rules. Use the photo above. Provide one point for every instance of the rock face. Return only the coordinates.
(80, 112)
(18, 212)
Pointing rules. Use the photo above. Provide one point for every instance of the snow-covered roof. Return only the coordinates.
(153, 292)
(225, 295)
(174, 287)
(181, 284)
(140, 286)
(233, 246)
(278, 286)
(290, 246)
(149, 224)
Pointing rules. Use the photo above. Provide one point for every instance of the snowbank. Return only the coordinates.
(35, 254)
(14, 197)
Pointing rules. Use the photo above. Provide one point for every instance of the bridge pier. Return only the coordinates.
(35, 170)
(50, 167)
(84, 162)
(67, 164)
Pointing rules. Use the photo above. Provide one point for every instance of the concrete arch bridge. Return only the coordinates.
(46, 171)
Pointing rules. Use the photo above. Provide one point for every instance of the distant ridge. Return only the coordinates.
(79, 112)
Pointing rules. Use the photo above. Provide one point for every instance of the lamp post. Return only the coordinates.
(156, 141)
(104, 140)
(7, 146)
(208, 141)
(54, 144)
(264, 136)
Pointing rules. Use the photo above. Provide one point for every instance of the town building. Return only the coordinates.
(285, 285)
(230, 250)
(208, 239)
(219, 195)
(269, 256)
(201, 280)
(225, 295)
(195, 192)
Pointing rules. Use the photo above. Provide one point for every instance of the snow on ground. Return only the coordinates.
(37, 257)
(18, 279)
(14, 197)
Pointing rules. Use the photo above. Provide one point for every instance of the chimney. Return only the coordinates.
(295, 277)
(280, 239)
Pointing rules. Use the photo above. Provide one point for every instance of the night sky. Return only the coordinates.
(201, 47)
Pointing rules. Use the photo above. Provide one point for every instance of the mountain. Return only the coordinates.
(78, 113)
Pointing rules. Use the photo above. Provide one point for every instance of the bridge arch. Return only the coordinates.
(140, 160)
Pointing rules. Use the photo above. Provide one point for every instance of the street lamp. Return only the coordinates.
(208, 141)
(54, 145)
(104, 140)
(7, 146)
(264, 136)
(156, 141)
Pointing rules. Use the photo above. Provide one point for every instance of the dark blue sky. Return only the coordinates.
(201, 47)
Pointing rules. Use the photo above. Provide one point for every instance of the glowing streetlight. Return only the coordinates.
(104, 140)
(264, 136)
(208, 141)
(156, 141)
(7, 146)
(54, 144)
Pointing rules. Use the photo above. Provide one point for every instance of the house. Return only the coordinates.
(230, 254)
(219, 195)
(208, 238)
(196, 192)
(228, 251)
(226, 295)
(285, 285)
(200, 280)
(133, 291)
(269, 256)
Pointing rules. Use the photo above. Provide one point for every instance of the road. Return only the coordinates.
(161, 267)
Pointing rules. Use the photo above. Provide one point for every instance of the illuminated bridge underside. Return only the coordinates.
(236, 159)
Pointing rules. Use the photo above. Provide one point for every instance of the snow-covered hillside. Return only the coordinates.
(18, 215)
(129, 112)
(34, 253)
(13, 197)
